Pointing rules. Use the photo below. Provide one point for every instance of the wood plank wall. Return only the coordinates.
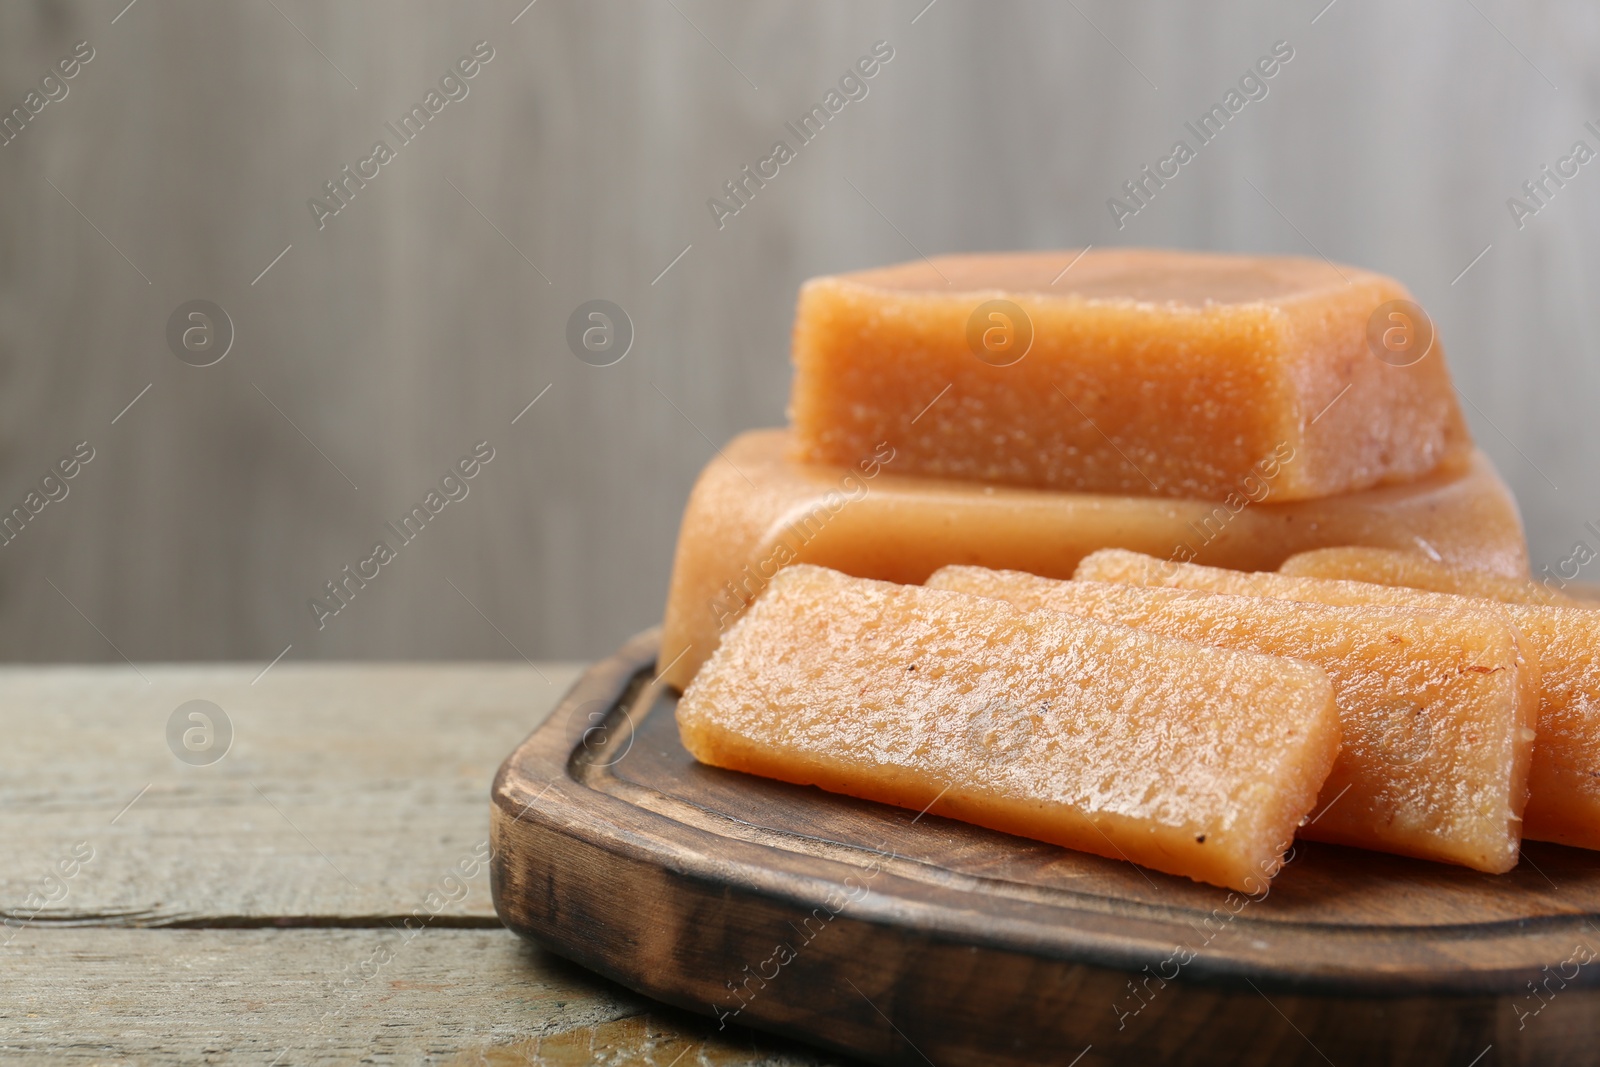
(425, 315)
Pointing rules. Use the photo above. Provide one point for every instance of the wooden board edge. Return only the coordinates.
(589, 864)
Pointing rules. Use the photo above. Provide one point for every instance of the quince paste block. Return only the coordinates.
(754, 509)
(1023, 722)
(1565, 802)
(1564, 779)
(1141, 371)
(1387, 566)
(1437, 710)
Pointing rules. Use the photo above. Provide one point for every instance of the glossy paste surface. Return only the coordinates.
(1564, 779)
(755, 509)
(1388, 566)
(1148, 372)
(1192, 760)
(1565, 805)
(1437, 711)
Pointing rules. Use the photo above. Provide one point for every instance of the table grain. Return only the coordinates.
(255, 910)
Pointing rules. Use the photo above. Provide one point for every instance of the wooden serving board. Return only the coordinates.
(906, 939)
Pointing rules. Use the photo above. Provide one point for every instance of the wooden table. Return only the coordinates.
(254, 910)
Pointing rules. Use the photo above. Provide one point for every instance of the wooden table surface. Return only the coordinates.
(253, 910)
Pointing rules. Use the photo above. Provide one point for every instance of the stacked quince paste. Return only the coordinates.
(1148, 554)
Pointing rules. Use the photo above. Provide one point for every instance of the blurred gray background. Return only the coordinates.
(427, 314)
